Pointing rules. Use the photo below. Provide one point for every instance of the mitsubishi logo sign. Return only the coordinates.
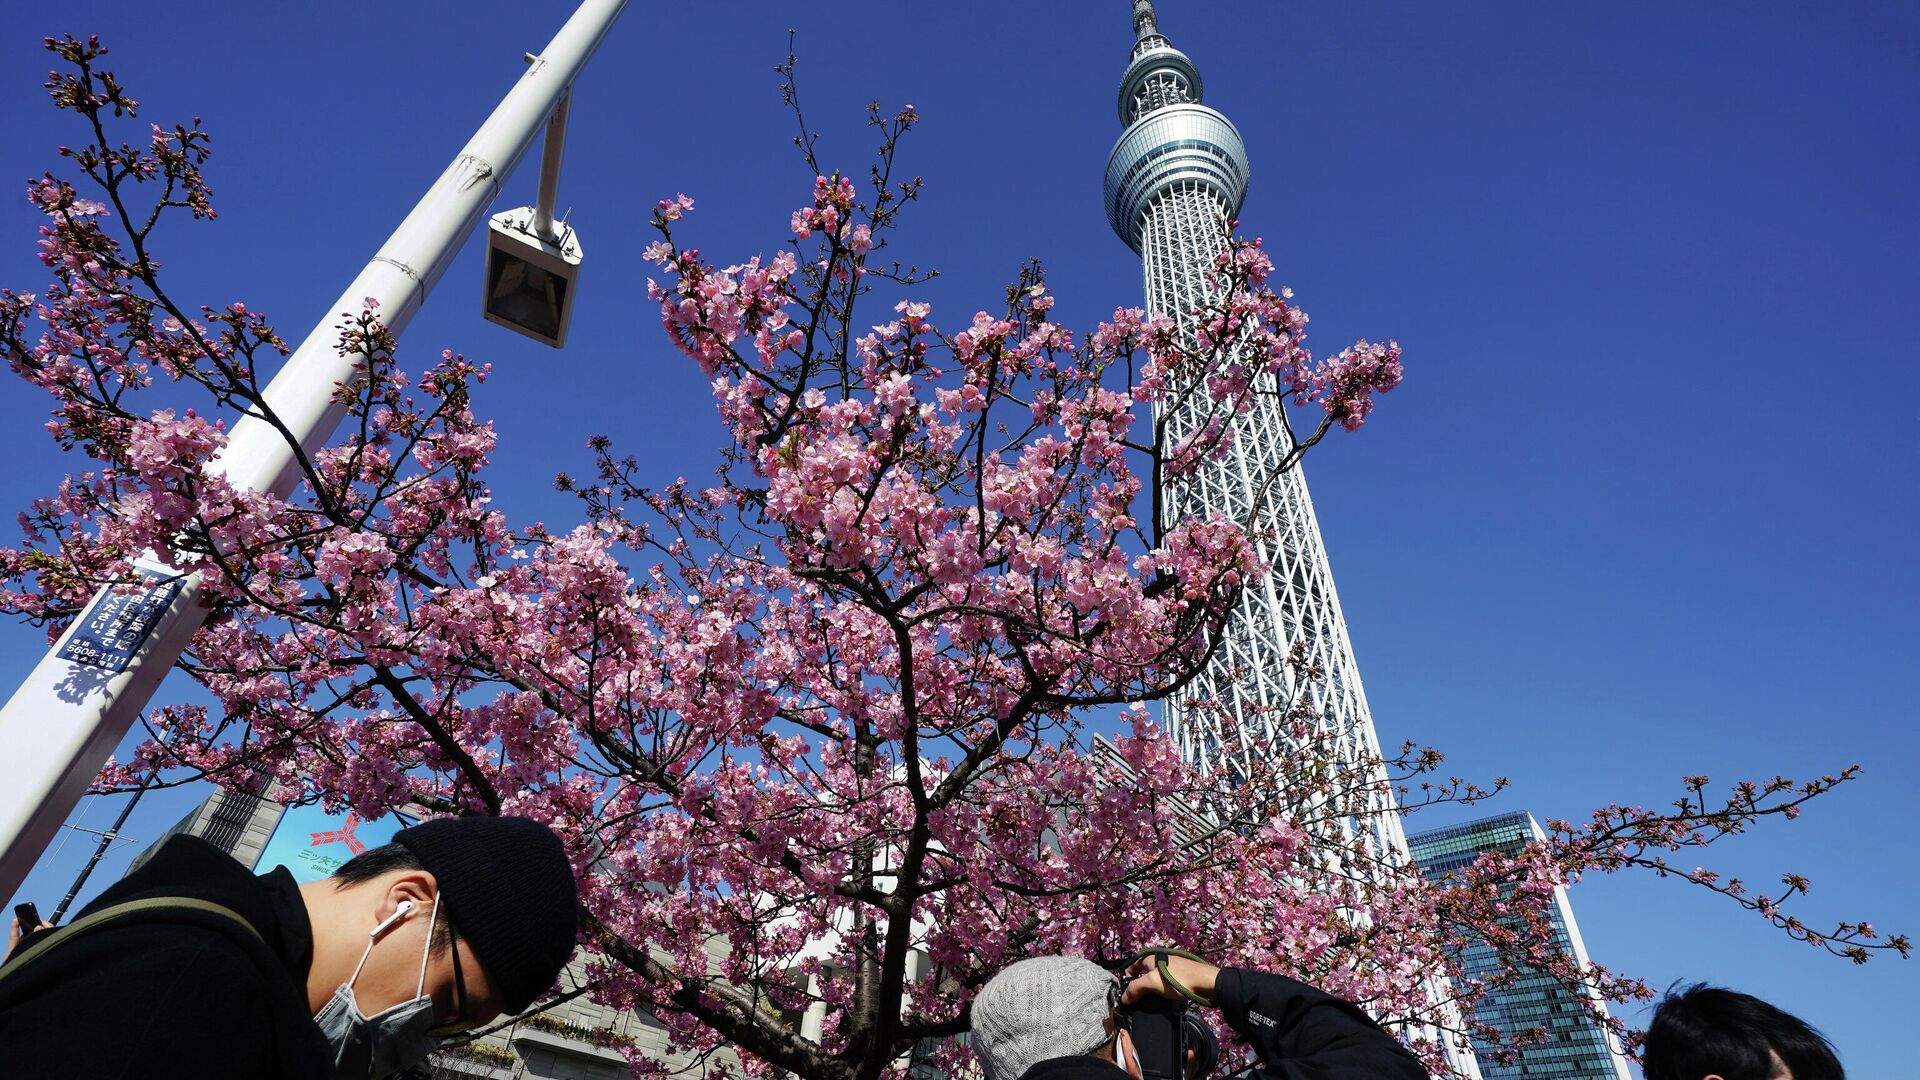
(342, 835)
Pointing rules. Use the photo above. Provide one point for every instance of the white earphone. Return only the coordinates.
(405, 909)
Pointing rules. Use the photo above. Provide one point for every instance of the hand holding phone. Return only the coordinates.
(26, 919)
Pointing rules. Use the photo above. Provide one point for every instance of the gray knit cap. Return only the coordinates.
(1040, 1008)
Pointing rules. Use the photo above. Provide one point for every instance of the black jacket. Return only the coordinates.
(1299, 1033)
(1082, 1067)
(173, 994)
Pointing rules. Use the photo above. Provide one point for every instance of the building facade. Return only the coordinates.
(1576, 1046)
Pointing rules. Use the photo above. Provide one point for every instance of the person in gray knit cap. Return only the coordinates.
(1041, 1008)
(1064, 1018)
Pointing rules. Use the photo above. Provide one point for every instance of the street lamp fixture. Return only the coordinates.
(529, 280)
(533, 261)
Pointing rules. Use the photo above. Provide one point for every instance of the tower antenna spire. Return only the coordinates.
(1145, 23)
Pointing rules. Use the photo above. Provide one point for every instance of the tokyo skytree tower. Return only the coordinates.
(1175, 179)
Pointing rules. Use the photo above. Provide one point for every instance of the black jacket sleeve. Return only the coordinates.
(1301, 1033)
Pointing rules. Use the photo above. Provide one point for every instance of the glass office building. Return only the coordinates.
(1576, 1048)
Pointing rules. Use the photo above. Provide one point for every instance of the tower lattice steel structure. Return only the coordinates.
(1175, 179)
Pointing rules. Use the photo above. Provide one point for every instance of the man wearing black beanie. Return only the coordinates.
(193, 967)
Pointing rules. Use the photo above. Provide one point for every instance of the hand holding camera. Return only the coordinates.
(1184, 969)
(1168, 1039)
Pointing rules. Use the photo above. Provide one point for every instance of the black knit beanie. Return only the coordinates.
(507, 888)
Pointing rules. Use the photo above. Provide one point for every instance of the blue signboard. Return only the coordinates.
(118, 623)
(313, 843)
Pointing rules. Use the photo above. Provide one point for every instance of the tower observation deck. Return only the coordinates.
(1175, 180)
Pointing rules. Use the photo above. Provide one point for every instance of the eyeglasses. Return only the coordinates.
(461, 1021)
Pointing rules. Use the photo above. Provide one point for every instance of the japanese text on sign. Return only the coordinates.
(118, 623)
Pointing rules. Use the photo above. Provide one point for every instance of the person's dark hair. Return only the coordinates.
(1704, 1030)
(386, 859)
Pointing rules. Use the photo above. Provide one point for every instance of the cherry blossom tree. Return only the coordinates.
(821, 734)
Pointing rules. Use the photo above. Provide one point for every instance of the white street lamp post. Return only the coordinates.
(65, 719)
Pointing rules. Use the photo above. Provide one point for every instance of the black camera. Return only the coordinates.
(1170, 1041)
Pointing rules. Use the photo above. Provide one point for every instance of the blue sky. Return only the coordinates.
(1643, 507)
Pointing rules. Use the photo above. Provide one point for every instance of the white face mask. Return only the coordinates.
(380, 1046)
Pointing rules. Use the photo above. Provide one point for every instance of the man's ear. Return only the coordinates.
(416, 886)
